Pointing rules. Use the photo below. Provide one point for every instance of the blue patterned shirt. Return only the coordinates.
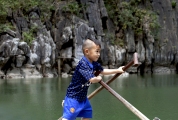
(79, 85)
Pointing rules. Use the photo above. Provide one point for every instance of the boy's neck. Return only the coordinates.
(88, 59)
(88, 62)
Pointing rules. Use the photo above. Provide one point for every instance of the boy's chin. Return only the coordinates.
(95, 60)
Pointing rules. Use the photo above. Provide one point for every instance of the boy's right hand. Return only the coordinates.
(95, 79)
(99, 78)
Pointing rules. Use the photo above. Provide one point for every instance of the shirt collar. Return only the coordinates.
(86, 60)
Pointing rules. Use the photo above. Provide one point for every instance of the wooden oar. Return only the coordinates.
(126, 103)
(134, 62)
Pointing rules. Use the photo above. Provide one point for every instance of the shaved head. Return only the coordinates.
(89, 44)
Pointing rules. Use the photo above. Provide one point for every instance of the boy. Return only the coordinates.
(76, 103)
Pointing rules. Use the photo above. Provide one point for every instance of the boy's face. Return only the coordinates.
(93, 53)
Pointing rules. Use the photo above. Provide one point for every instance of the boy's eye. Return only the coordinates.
(98, 51)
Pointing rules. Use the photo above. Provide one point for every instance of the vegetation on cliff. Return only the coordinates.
(124, 14)
(132, 15)
(23, 7)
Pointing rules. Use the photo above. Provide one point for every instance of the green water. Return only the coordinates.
(40, 99)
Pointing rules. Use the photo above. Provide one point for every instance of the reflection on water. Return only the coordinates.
(40, 99)
(28, 99)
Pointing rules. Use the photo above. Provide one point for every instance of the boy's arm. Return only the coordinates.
(112, 71)
(95, 79)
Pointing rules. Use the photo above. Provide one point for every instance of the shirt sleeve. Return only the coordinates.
(97, 67)
(86, 72)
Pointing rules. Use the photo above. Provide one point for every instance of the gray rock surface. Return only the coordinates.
(63, 37)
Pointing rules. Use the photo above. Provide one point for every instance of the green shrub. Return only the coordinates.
(24, 6)
(111, 38)
(5, 27)
(28, 36)
(72, 7)
(173, 4)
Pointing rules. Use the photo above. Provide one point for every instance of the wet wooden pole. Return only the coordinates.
(125, 102)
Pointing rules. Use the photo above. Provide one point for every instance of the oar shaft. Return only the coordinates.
(109, 81)
(125, 102)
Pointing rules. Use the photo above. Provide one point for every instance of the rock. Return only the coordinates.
(19, 60)
(22, 24)
(25, 48)
(66, 68)
(14, 73)
(120, 55)
(5, 50)
(29, 66)
(103, 10)
(65, 75)
(130, 41)
(140, 50)
(49, 72)
(2, 75)
(132, 70)
(75, 62)
(167, 35)
(66, 53)
(161, 69)
(69, 32)
(30, 72)
(104, 55)
(94, 16)
(111, 56)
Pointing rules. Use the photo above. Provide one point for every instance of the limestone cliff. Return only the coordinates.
(35, 45)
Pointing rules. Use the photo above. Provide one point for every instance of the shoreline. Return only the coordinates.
(15, 74)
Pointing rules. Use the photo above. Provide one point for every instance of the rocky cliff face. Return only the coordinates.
(62, 38)
(165, 50)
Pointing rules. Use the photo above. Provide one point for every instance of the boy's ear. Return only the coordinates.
(86, 51)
